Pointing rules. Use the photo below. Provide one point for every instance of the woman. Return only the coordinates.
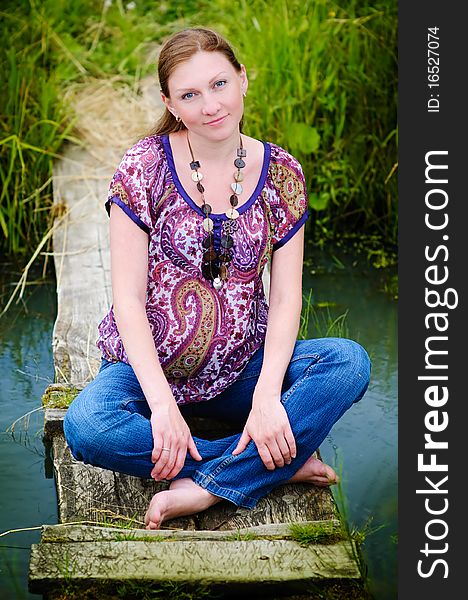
(196, 210)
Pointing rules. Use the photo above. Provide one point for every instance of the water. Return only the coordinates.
(28, 497)
(362, 446)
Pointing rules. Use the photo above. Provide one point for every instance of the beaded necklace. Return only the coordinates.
(215, 264)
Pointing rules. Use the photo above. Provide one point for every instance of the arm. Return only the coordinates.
(129, 272)
(268, 424)
(284, 313)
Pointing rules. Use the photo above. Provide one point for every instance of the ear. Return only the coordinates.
(167, 102)
(244, 80)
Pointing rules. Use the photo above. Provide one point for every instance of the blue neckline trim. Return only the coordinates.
(261, 182)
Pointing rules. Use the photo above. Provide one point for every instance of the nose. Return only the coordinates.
(211, 106)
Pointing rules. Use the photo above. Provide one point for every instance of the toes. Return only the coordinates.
(153, 515)
(320, 480)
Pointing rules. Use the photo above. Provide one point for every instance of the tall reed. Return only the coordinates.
(323, 84)
(34, 124)
(50, 43)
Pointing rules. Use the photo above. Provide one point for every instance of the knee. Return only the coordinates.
(78, 429)
(355, 365)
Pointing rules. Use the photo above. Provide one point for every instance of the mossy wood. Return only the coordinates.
(92, 533)
(99, 497)
(215, 562)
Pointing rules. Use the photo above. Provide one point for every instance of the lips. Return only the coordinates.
(216, 121)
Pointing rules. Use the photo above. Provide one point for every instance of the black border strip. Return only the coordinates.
(432, 251)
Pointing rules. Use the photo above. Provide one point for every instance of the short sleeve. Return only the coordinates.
(289, 209)
(129, 188)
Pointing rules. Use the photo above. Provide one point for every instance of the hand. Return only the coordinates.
(170, 431)
(268, 426)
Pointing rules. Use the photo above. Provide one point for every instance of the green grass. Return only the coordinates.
(307, 534)
(49, 45)
(323, 84)
(317, 320)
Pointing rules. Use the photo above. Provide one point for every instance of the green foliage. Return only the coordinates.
(50, 44)
(321, 533)
(59, 396)
(322, 84)
(317, 321)
(242, 537)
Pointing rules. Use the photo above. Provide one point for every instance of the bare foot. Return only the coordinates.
(316, 472)
(184, 497)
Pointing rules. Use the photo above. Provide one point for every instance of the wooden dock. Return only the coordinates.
(100, 548)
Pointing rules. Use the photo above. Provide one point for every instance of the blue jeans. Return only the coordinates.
(107, 424)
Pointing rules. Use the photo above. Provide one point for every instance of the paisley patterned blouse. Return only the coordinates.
(204, 337)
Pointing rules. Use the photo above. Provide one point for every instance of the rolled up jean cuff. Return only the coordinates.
(208, 483)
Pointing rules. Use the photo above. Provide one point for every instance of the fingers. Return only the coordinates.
(193, 450)
(169, 464)
(284, 457)
(278, 451)
(179, 463)
(165, 460)
(265, 455)
(157, 447)
(288, 434)
(242, 444)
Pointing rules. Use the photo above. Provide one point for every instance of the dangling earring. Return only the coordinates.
(177, 118)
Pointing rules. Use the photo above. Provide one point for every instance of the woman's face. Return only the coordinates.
(206, 93)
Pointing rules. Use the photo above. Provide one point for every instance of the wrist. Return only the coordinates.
(163, 399)
(269, 384)
(266, 394)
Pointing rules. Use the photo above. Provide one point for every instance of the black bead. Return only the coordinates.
(209, 270)
(239, 163)
(234, 200)
(194, 165)
(206, 208)
(208, 241)
(225, 257)
(227, 241)
(200, 188)
(209, 255)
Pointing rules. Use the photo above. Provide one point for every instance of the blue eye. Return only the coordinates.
(184, 97)
(220, 81)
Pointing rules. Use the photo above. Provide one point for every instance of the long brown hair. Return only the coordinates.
(181, 46)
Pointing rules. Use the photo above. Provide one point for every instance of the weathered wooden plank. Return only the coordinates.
(218, 562)
(86, 533)
(82, 263)
(53, 421)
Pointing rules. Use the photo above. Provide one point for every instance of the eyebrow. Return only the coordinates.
(211, 81)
